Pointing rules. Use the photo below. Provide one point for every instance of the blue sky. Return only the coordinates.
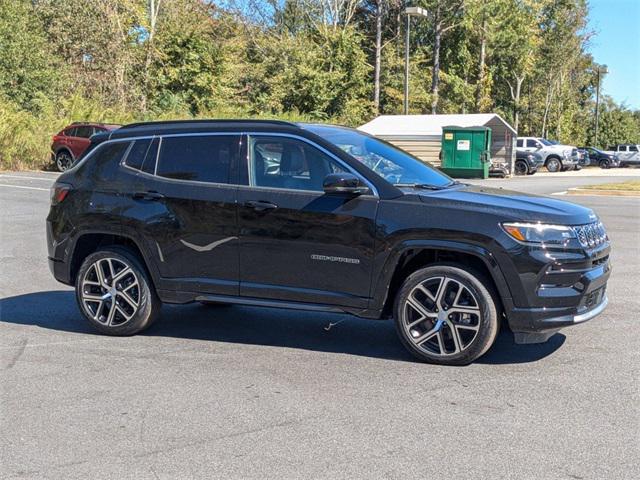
(617, 45)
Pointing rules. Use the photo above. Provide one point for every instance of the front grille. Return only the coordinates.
(591, 235)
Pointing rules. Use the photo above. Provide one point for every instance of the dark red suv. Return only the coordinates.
(72, 141)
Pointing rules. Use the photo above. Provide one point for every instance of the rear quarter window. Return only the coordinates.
(103, 163)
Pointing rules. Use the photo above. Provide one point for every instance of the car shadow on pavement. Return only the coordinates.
(333, 333)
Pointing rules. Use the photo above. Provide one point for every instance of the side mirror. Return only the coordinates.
(344, 183)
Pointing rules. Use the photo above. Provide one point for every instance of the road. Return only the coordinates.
(240, 392)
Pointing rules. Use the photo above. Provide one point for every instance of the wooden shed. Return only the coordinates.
(421, 135)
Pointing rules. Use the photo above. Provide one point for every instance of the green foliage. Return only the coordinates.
(120, 61)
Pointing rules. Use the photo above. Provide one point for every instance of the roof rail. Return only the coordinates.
(205, 121)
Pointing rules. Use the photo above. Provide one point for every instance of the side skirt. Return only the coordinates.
(180, 297)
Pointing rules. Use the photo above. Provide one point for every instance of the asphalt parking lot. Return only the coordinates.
(242, 392)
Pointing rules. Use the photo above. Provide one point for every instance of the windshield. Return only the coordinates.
(394, 165)
(546, 142)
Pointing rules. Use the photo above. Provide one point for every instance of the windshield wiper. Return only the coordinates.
(424, 186)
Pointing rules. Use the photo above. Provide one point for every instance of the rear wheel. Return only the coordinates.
(64, 160)
(445, 315)
(554, 164)
(521, 168)
(114, 292)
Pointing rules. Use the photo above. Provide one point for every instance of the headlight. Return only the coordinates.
(539, 234)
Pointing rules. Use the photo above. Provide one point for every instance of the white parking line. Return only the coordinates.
(22, 186)
(28, 178)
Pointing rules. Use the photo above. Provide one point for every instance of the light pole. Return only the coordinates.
(409, 12)
(601, 70)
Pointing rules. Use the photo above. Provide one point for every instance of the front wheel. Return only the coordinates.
(114, 292)
(445, 315)
(604, 164)
(554, 165)
(521, 168)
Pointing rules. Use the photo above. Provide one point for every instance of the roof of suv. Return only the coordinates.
(194, 126)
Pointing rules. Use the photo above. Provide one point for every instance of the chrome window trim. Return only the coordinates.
(374, 190)
(346, 166)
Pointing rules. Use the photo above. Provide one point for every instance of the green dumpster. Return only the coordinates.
(466, 151)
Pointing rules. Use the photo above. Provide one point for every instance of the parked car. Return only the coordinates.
(70, 143)
(276, 214)
(556, 157)
(628, 154)
(600, 158)
(527, 163)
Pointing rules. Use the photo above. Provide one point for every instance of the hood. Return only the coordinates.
(512, 206)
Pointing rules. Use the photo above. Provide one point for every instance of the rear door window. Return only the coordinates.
(205, 158)
(519, 143)
(84, 131)
(142, 155)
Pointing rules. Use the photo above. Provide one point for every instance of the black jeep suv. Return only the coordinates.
(321, 218)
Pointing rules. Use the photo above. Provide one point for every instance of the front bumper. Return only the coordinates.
(570, 289)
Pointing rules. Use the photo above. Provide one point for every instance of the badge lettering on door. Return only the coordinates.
(327, 258)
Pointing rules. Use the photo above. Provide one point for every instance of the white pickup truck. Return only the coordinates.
(628, 154)
(556, 157)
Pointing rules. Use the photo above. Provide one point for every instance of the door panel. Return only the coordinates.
(306, 245)
(191, 223)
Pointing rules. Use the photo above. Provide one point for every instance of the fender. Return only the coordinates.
(128, 234)
(381, 287)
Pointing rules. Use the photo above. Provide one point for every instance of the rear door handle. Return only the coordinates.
(260, 205)
(151, 195)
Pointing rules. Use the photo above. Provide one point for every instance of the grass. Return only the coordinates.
(628, 186)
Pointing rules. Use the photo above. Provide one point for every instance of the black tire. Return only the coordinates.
(486, 320)
(148, 303)
(553, 164)
(64, 160)
(521, 168)
(604, 164)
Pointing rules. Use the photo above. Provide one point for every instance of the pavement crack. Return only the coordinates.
(16, 356)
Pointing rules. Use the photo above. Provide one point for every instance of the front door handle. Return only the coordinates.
(151, 195)
(260, 205)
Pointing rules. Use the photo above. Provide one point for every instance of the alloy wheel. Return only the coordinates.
(554, 165)
(110, 292)
(441, 316)
(63, 161)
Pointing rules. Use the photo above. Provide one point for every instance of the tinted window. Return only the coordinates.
(390, 163)
(519, 143)
(106, 159)
(532, 143)
(633, 148)
(203, 159)
(70, 132)
(84, 131)
(142, 155)
(280, 162)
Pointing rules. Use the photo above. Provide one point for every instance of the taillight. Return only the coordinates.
(59, 192)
